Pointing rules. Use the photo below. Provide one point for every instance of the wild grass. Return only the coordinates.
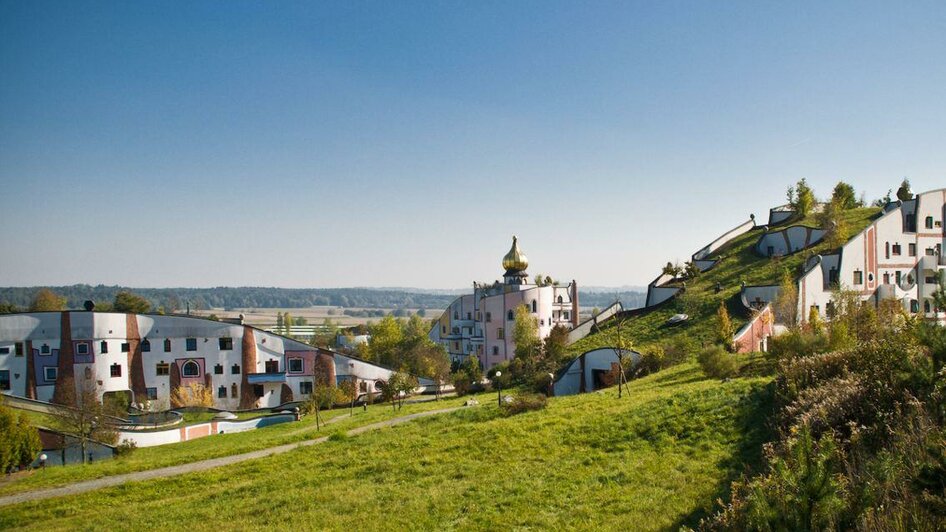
(656, 459)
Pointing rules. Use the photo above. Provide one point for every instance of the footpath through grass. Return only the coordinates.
(215, 446)
(654, 460)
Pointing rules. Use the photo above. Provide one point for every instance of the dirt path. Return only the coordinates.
(201, 465)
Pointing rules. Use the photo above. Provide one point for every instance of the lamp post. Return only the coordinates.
(354, 388)
(551, 384)
(499, 389)
(42, 460)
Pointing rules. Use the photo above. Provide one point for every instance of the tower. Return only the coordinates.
(515, 264)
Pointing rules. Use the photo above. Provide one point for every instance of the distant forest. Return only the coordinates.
(172, 299)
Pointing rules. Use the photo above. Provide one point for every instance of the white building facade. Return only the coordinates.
(481, 323)
(899, 256)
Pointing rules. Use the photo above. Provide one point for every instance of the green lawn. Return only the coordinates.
(654, 460)
(737, 263)
(212, 446)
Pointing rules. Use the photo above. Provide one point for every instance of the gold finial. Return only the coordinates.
(515, 260)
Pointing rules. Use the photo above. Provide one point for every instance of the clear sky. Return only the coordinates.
(403, 143)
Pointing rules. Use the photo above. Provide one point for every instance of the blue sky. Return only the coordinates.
(403, 143)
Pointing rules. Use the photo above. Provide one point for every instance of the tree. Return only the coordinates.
(555, 346)
(467, 374)
(84, 416)
(725, 329)
(399, 387)
(192, 394)
(814, 321)
(385, 345)
(691, 270)
(348, 389)
(287, 324)
(843, 195)
(8, 308)
(525, 334)
(324, 396)
(19, 441)
(131, 303)
(801, 198)
(834, 223)
(430, 359)
(47, 300)
(786, 303)
(672, 269)
(279, 322)
(904, 193)
(881, 202)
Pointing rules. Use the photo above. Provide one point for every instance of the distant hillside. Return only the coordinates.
(262, 297)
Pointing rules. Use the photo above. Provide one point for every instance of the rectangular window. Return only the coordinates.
(125, 347)
(103, 347)
(912, 249)
(305, 388)
(226, 344)
(19, 349)
(489, 317)
(167, 345)
(152, 393)
(930, 252)
(272, 366)
(897, 249)
(192, 344)
(116, 370)
(295, 365)
(858, 277)
(258, 390)
(495, 350)
(500, 333)
(235, 369)
(897, 276)
(4, 350)
(222, 392)
(929, 222)
(44, 349)
(50, 372)
(82, 349)
(5, 380)
(162, 369)
(218, 369)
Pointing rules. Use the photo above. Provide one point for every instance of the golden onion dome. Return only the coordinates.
(515, 260)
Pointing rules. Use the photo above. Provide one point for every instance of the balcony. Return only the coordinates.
(266, 378)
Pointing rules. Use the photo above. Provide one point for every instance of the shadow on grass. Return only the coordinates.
(754, 424)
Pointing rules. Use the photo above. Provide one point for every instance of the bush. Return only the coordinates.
(19, 440)
(524, 403)
(125, 448)
(717, 362)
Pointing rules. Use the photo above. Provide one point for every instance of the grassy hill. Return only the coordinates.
(737, 263)
(655, 459)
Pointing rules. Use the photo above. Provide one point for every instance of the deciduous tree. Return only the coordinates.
(47, 300)
(130, 302)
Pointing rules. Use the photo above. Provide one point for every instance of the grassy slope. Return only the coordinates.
(737, 263)
(653, 460)
(210, 447)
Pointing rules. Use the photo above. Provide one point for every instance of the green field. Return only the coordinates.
(737, 263)
(655, 459)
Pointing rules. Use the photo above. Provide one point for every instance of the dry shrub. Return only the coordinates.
(524, 403)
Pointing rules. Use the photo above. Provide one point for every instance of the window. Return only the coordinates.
(897, 275)
(258, 390)
(560, 300)
(910, 223)
(115, 370)
(930, 252)
(897, 249)
(363, 386)
(469, 316)
(272, 366)
(914, 306)
(535, 307)
(295, 365)
(929, 222)
(443, 329)
(235, 369)
(4, 350)
(234, 391)
(222, 392)
(218, 369)
(858, 277)
(456, 315)
(226, 344)
(565, 315)
(50, 373)
(500, 333)
(887, 249)
(305, 388)
(152, 393)
(44, 349)
(926, 306)
(510, 315)
(103, 347)
(125, 347)
(489, 317)
(82, 349)
(167, 345)
(190, 369)
(19, 349)
(911, 248)
(162, 369)
(88, 373)
(886, 277)
(191, 344)
(5, 380)
(495, 350)
(146, 346)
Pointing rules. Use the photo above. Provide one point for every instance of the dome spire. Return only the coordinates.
(515, 260)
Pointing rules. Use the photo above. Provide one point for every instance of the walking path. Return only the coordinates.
(201, 465)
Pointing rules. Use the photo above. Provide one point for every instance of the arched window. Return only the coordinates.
(233, 390)
(560, 300)
(535, 307)
(926, 306)
(146, 346)
(167, 345)
(510, 316)
(190, 369)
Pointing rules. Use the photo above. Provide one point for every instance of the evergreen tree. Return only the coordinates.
(725, 329)
(844, 196)
(904, 193)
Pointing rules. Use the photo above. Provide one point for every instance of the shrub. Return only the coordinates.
(125, 448)
(717, 362)
(524, 403)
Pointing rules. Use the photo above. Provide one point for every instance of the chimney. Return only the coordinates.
(574, 303)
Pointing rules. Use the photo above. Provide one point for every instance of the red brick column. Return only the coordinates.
(136, 369)
(247, 399)
(66, 360)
